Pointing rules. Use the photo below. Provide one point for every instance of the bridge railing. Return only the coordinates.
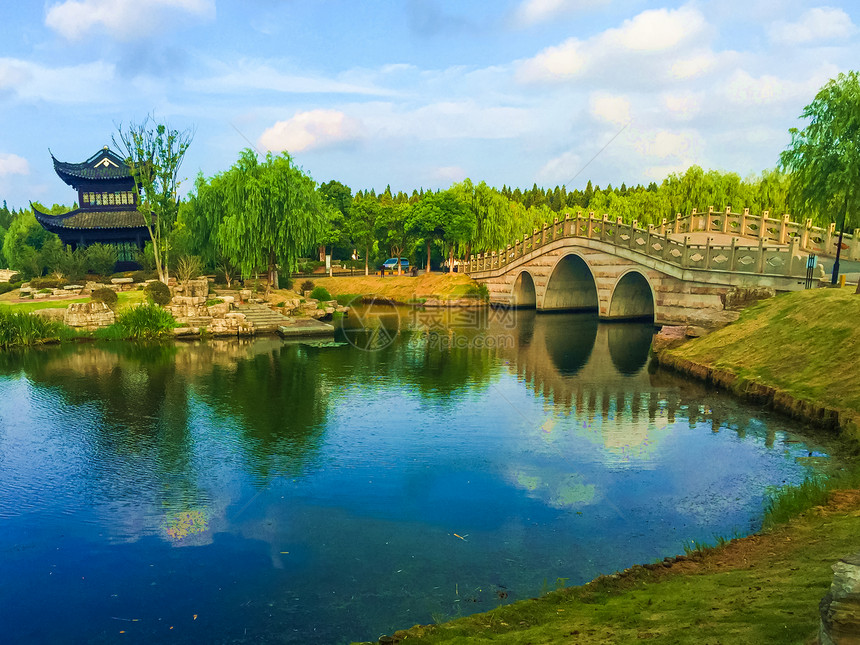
(780, 245)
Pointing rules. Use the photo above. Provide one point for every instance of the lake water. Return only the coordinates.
(269, 492)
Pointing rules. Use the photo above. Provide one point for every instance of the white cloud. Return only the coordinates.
(257, 75)
(122, 19)
(449, 174)
(27, 81)
(683, 105)
(560, 169)
(656, 29)
(11, 164)
(533, 11)
(651, 33)
(665, 143)
(821, 23)
(464, 120)
(742, 88)
(310, 130)
(610, 108)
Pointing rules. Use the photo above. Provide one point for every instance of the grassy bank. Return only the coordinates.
(400, 288)
(804, 344)
(761, 589)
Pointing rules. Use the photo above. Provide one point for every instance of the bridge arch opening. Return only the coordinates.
(524, 294)
(571, 286)
(632, 298)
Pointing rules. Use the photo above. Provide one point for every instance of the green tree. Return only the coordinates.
(101, 258)
(443, 218)
(361, 226)
(824, 157)
(393, 229)
(267, 213)
(154, 152)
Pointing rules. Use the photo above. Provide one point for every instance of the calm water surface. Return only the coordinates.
(270, 492)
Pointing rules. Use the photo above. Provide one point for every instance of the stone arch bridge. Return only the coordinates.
(676, 273)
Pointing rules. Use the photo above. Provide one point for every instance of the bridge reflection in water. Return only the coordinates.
(592, 369)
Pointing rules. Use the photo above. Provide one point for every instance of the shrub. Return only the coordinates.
(45, 290)
(101, 258)
(143, 276)
(47, 283)
(321, 293)
(285, 282)
(17, 328)
(105, 295)
(6, 287)
(157, 292)
(214, 301)
(144, 322)
(307, 285)
(261, 287)
(189, 266)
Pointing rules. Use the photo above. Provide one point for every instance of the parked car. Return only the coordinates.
(391, 264)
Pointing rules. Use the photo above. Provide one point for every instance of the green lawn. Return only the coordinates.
(806, 343)
(123, 299)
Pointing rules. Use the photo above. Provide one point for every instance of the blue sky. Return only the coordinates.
(419, 92)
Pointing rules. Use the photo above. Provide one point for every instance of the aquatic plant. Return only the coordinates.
(22, 329)
(144, 322)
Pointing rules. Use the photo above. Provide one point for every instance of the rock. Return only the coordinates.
(712, 318)
(122, 280)
(179, 332)
(738, 298)
(244, 294)
(40, 296)
(329, 311)
(58, 292)
(89, 315)
(839, 610)
(694, 331)
(51, 314)
(228, 299)
(668, 336)
(220, 310)
(73, 287)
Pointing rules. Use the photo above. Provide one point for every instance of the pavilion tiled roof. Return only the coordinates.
(81, 219)
(104, 165)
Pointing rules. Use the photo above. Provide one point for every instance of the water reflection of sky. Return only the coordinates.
(292, 492)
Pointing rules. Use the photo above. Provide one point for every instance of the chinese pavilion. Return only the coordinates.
(108, 206)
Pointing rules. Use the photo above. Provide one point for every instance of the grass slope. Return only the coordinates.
(400, 288)
(806, 343)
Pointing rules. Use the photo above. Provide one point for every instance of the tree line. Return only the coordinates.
(266, 215)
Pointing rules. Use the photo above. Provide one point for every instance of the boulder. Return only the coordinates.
(89, 315)
(839, 610)
(220, 310)
(122, 280)
(53, 313)
(669, 336)
(738, 298)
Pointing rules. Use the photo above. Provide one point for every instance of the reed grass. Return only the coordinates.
(19, 329)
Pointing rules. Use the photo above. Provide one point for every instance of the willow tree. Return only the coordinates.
(824, 157)
(154, 152)
(270, 213)
(495, 225)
